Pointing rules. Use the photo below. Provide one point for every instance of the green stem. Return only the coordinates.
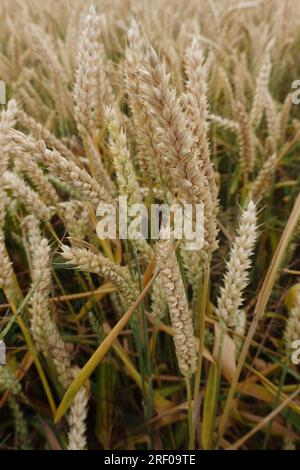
(201, 333)
(190, 412)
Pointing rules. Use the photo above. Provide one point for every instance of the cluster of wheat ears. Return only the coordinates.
(135, 344)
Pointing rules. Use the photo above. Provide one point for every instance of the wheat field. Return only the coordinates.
(115, 343)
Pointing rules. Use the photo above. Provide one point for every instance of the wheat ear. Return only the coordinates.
(272, 117)
(41, 132)
(176, 142)
(88, 261)
(92, 87)
(181, 317)
(225, 123)
(127, 180)
(77, 438)
(5, 264)
(39, 179)
(26, 195)
(284, 115)
(246, 141)
(76, 217)
(142, 121)
(261, 89)
(126, 176)
(197, 107)
(96, 165)
(42, 47)
(7, 120)
(264, 177)
(46, 334)
(66, 170)
(237, 267)
(158, 298)
(292, 329)
(44, 330)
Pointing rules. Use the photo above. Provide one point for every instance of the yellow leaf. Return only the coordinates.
(228, 354)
